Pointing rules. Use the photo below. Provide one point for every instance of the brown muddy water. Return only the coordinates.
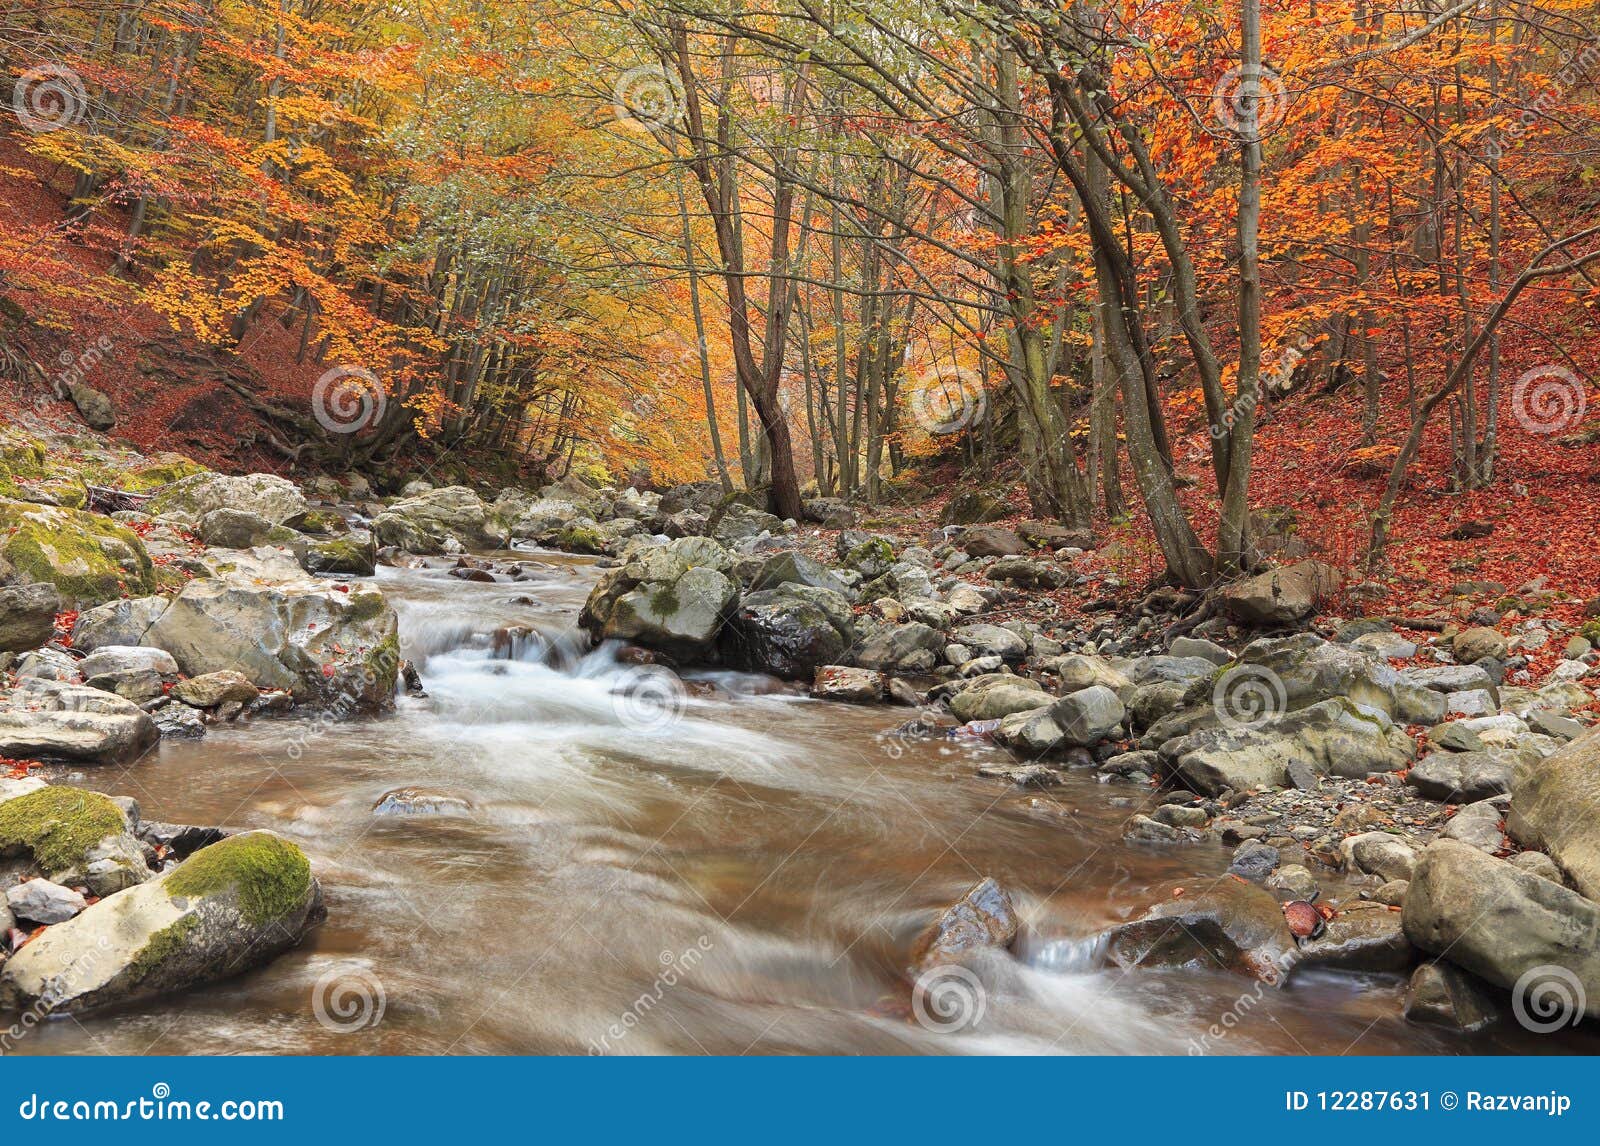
(743, 877)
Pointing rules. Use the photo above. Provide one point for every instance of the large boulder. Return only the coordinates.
(912, 648)
(789, 631)
(268, 496)
(70, 836)
(674, 598)
(53, 720)
(226, 909)
(1503, 924)
(982, 918)
(335, 645)
(230, 528)
(437, 522)
(844, 683)
(1555, 806)
(1281, 596)
(1335, 737)
(87, 557)
(1079, 720)
(27, 616)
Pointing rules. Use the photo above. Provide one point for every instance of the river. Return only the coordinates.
(737, 871)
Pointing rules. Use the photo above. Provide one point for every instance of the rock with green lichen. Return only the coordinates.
(438, 521)
(163, 469)
(353, 554)
(262, 616)
(43, 719)
(87, 557)
(70, 836)
(268, 496)
(228, 908)
(673, 597)
(27, 616)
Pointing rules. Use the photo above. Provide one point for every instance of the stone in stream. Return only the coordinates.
(119, 623)
(431, 521)
(353, 554)
(1079, 720)
(120, 658)
(843, 682)
(1555, 807)
(674, 598)
(1378, 853)
(51, 720)
(40, 901)
(420, 802)
(1444, 995)
(269, 497)
(995, 694)
(70, 836)
(27, 616)
(789, 631)
(1232, 924)
(226, 909)
(982, 918)
(908, 648)
(229, 528)
(264, 617)
(1504, 924)
(213, 688)
(1362, 937)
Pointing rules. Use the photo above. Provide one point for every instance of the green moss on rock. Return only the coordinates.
(162, 946)
(58, 825)
(580, 539)
(88, 558)
(270, 876)
(173, 468)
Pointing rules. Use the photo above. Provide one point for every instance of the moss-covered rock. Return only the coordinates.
(57, 826)
(88, 558)
(579, 539)
(229, 907)
(162, 470)
(353, 554)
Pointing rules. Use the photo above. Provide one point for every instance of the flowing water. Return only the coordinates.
(738, 870)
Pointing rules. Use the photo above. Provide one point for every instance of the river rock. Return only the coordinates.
(1477, 825)
(213, 688)
(127, 658)
(1442, 994)
(27, 616)
(994, 695)
(334, 645)
(1555, 807)
(121, 623)
(1363, 937)
(230, 528)
(1477, 643)
(842, 682)
(267, 496)
(674, 597)
(51, 720)
(992, 640)
(420, 802)
(1281, 596)
(87, 557)
(789, 631)
(40, 901)
(1335, 736)
(227, 908)
(909, 648)
(70, 836)
(352, 554)
(1464, 777)
(1502, 923)
(1232, 924)
(1378, 853)
(982, 918)
(796, 569)
(430, 522)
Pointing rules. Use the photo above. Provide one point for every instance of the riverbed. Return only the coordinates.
(728, 869)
